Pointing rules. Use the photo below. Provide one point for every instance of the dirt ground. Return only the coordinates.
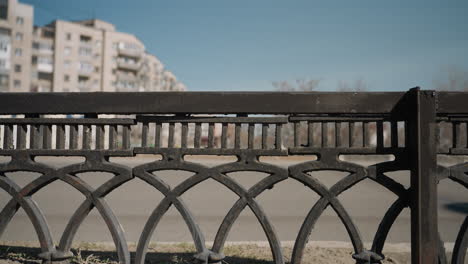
(181, 253)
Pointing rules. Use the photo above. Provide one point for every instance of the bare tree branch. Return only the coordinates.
(453, 79)
(300, 85)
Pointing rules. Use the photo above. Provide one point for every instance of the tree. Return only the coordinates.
(300, 85)
(358, 85)
(452, 78)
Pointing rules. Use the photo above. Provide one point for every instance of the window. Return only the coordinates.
(115, 45)
(19, 36)
(66, 78)
(17, 68)
(85, 39)
(4, 82)
(4, 10)
(85, 51)
(85, 67)
(43, 46)
(67, 51)
(34, 59)
(98, 43)
(96, 69)
(45, 60)
(17, 83)
(4, 44)
(45, 76)
(83, 80)
(19, 20)
(68, 36)
(48, 33)
(18, 52)
(3, 63)
(66, 64)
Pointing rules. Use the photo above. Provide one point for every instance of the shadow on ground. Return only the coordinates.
(28, 255)
(461, 208)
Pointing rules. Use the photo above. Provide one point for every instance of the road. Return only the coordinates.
(286, 205)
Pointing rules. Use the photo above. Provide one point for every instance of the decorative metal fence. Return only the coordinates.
(247, 125)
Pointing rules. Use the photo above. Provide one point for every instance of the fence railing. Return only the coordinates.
(413, 126)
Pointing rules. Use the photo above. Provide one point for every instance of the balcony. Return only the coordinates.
(130, 52)
(84, 87)
(128, 65)
(85, 68)
(45, 67)
(126, 76)
(85, 72)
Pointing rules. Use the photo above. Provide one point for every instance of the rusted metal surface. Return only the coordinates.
(248, 126)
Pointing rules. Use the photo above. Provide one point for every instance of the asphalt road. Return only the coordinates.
(286, 205)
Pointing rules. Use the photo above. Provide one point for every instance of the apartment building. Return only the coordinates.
(16, 25)
(74, 56)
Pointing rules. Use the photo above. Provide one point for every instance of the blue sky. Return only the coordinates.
(246, 45)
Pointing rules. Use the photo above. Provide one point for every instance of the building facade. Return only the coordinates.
(74, 56)
(16, 25)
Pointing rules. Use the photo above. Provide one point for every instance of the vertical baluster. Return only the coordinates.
(184, 136)
(211, 135)
(264, 136)
(73, 137)
(112, 137)
(251, 136)
(324, 134)
(35, 137)
(296, 133)
(310, 134)
(157, 135)
(170, 143)
(352, 139)
(338, 142)
(278, 136)
(8, 137)
(99, 136)
(380, 135)
(237, 138)
(144, 135)
(394, 134)
(406, 133)
(47, 136)
(60, 137)
(86, 137)
(456, 130)
(21, 131)
(437, 132)
(224, 135)
(196, 142)
(365, 134)
(466, 134)
(126, 137)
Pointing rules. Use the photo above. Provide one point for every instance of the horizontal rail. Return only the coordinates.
(208, 119)
(452, 103)
(199, 103)
(67, 121)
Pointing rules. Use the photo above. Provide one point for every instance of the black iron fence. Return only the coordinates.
(247, 125)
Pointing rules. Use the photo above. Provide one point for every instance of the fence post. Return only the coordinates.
(423, 161)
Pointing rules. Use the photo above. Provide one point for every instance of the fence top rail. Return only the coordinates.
(449, 103)
(200, 103)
